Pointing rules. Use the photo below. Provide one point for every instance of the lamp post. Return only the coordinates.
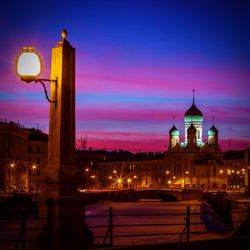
(185, 182)
(62, 177)
(11, 175)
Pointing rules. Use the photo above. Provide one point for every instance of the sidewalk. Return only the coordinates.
(239, 243)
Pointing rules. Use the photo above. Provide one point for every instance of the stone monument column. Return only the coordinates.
(65, 227)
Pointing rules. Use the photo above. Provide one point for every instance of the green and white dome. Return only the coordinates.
(213, 131)
(193, 114)
(174, 131)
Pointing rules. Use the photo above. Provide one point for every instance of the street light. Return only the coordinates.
(29, 67)
(33, 167)
(61, 166)
(185, 181)
(12, 166)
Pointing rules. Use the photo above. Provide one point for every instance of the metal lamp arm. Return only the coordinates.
(44, 88)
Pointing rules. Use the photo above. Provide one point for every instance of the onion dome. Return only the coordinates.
(213, 131)
(174, 131)
(193, 111)
(191, 129)
(193, 114)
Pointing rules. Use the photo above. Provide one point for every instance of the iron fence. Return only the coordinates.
(20, 225)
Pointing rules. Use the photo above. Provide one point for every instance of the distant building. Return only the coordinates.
(38, 157)
(14, 165)
(23, 156)
(236, 164)
(192, 163)
(133, 171)
(195, 163)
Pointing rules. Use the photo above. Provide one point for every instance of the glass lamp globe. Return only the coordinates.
(28, 64)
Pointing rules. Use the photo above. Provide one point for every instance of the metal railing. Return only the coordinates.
(20, 242)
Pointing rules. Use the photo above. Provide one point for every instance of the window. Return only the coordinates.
(38, 149)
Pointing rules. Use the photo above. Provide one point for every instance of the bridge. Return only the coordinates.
(131, 195)
(169, 194)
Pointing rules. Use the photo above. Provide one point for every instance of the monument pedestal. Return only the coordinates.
(65, 227)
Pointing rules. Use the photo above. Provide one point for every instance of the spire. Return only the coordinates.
(193, 95)
(213, 119)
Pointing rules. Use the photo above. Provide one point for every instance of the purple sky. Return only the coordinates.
(136, 65)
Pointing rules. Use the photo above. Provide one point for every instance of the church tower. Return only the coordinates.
(194, 116)
(174, 139)
(191, 136)
(213, 136)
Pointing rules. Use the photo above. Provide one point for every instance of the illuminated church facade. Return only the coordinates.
(194, 162)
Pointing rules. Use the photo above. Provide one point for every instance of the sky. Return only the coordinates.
(136, 65)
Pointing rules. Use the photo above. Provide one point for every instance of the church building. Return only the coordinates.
(193, 162)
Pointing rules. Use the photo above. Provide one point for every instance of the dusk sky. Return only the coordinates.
(136, 65)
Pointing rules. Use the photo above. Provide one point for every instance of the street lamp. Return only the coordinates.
(61, 186)
(11, 174)
(185, 181)
(29, 67)
(34, 167)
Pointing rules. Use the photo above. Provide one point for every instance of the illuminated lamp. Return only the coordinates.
(29, 64)
(29, 67)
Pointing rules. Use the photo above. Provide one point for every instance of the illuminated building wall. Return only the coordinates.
(13, 157)
(132, 174)
(38, 157)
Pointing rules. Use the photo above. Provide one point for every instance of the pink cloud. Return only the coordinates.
(155, 80)
(234, 144)
(134, 142)
(26, 112)
(122, 114)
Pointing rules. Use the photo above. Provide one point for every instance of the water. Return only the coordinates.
(174, 213)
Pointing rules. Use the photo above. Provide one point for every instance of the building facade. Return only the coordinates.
(134, 173)
(23, 157)
(193, 163)
(14, 166)
(38, 158)
(236, 165)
